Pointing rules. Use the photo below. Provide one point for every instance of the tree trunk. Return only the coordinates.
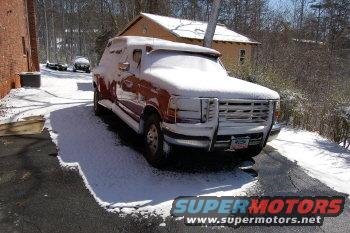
(209, 34)
(53, 31)
(46, 32)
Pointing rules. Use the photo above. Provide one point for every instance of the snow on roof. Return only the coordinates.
(196, 29)
(160, 44)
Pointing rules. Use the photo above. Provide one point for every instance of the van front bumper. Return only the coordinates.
(221, 142)
(186, 140)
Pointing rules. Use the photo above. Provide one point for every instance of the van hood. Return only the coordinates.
(194, 83)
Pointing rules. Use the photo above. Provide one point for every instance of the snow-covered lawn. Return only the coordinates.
(322, 159)
(117, 176)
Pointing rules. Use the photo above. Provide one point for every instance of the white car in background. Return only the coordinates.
(81, 63)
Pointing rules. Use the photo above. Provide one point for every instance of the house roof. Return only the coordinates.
(159, 44)
(190, 29)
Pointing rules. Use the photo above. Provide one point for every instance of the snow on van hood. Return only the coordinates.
(188, 83)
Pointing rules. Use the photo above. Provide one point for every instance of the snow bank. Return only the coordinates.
(322, 159)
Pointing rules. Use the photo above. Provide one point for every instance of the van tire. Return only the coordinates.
(98, 108)
(154, 142)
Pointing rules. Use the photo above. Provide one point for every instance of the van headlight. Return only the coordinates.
(188, 110)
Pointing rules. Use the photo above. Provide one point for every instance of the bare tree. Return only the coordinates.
(209, 34)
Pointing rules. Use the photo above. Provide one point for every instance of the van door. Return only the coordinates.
(107, 76)
(129, 83)
(117, 55)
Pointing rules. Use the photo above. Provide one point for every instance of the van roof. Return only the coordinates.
(160, 44)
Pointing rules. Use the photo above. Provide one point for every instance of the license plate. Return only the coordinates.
(239, 143)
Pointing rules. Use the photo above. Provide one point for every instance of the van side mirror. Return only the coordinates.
(124, 66)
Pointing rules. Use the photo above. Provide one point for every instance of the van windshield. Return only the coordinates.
(184, 60)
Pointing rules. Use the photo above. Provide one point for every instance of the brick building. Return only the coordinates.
(18, 42)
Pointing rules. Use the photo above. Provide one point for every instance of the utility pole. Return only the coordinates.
(209, 34)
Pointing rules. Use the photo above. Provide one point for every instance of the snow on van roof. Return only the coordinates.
(196, 29)
(160, 44)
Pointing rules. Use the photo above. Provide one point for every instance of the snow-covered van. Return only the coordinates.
(177, 94)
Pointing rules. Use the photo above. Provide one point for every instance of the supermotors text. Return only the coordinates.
(269, 211)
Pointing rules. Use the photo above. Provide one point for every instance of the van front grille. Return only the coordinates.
(239, 111)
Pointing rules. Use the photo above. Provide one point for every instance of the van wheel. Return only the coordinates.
(98, 109)
(154, 142)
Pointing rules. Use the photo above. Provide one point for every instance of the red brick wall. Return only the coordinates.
(14, 59)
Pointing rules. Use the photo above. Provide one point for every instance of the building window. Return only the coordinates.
(24, 46)
(242, 56)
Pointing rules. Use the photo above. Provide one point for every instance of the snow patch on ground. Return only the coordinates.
(58, 90)
(321, 158)
(118, 177)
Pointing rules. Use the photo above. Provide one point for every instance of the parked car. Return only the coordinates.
(61, 66)
(81, 63)
(180, 94)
